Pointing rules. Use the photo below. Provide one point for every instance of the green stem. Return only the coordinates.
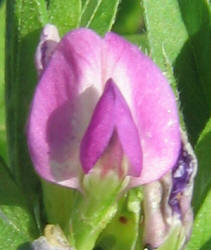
(89, 219)
(94, 209)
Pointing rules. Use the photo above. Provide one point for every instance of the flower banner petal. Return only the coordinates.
(57, 121)
(151, 102)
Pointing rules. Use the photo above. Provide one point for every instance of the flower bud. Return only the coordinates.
(167, 203)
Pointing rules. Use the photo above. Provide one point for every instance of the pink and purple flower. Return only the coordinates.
(101, 102)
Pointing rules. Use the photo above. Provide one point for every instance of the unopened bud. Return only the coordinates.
(167, 202)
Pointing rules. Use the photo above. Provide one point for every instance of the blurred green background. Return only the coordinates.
(176, 34)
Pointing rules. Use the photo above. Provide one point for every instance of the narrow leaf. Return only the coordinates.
(203, 178)
(64, 14)
(201, 236)
(16, 224)
(3, 143)
(25, 19)
(89, 11)
(192, 66)
(202, 193)
(166, 30)
(103, 17)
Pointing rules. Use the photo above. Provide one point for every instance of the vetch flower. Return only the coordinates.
(100, 102)
(103, 119)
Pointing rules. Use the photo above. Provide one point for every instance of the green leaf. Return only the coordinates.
(203, 178)
(25, 19)
(202, 193)
(165, 28)
(64, 14)
(192, 66)
(99, 15)
(3, 143)
(16, 224)
(170, 40)
(201, 235)
(83, 2)
(88, 12)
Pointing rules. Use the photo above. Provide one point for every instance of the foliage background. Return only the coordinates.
(175, 33)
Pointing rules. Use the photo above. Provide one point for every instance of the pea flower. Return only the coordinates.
(100, 102)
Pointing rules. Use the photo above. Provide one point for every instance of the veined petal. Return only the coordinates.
(62, 106)
(111, 113)
(66, 96)
(152, 104)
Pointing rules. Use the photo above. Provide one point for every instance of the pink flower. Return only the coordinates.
(101, 102)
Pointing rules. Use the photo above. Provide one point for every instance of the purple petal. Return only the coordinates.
(151, 102)
(111, 113)
(99, 131)
(62, 106)
(127, 132)
(182, 177)
(70, 88)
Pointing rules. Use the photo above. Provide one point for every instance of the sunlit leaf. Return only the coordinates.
(3, 144)
(16, 224)
(192, 66)
(64, 14)
(201, 235)
(25, 21)
(99, 15)
(202, 193)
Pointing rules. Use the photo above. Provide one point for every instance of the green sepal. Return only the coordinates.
(122, 233)
(95, 208)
